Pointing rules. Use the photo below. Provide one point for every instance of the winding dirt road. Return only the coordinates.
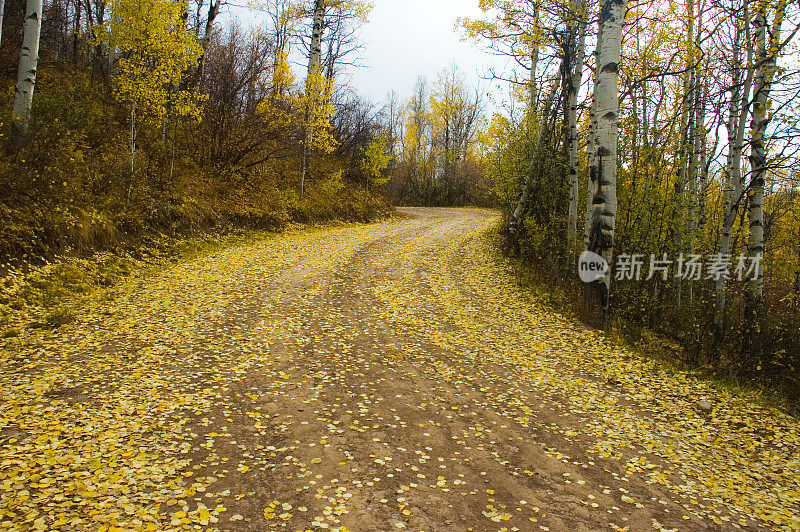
(369, 378)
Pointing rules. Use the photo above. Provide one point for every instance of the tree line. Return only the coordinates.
(660, 137)
(128, 118)
(670, 129)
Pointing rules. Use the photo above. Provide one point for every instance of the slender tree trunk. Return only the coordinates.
(2, 10)
(758, 163)
(213, 12)
(534, 89)
(591, 182)
(591, 148)
(26, 79)
(533, 107)
(132, 138)
(739, 112)
(315, 50)
(314, 72)
(797, 270)
(606, 96)
(696, 134)
(572, 122)
(684, 157)
(703, 147)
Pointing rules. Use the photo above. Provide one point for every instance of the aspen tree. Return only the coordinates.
(734, 186)
(684, 149)
(313, 84)
(155, 52)
(572, 123)
(591, 146)
(767, 52)
(28, 63)
(606, 99)
(2, 10)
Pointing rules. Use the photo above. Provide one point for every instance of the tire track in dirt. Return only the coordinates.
(362, 377)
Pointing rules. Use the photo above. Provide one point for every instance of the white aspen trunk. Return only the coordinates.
(767, 56)
(591, 148)
(699, 130)
(703, 148)
(591, 187)
(572, 121)
(314, 61)
(694, 140)
(606, 97)
(740, 107)
(2, 10)
(534, 90)
(28, 61)
(315, 50)
(213, 11)
(533, 107)
(685, 156)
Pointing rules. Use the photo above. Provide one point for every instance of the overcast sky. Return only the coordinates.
(408, 38)
(405, 39)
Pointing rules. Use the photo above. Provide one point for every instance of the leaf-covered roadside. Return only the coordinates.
(369, 377)
(47, 296)
(742, 457)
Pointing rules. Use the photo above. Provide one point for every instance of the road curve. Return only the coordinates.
(367, 378)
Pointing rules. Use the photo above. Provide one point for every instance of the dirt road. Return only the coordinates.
(370, 378)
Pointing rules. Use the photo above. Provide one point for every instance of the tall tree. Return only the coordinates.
(315, 49)
(156, 51)
(2, 10)
(767, 52)
(740, 87)
(314, 84)
(606, 99)
(28, 64)
(685, 132)
(579, 38)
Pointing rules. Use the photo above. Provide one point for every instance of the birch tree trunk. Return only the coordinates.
(739, 111)
(213, 12)
(591, 185)
(606, 98)
(703, 149)
(315, 50)
(2, 10)
(767, 58)
(591, 147)
(533, 107)
(314, 71)
(700, 127)
(696, 134)
(534, 90)
(28, 61)
(685, 156)
(572, 121)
